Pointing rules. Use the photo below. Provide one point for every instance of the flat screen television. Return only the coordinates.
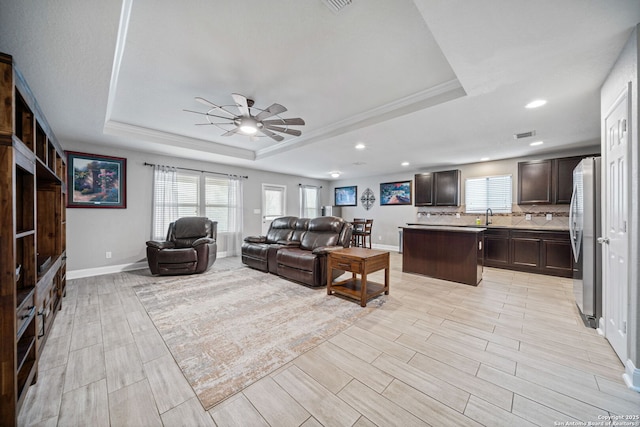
(346, 196)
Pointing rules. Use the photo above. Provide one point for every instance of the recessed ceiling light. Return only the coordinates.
(404, 164)
(335, 174)
(536, 103)
(484, 159)
(533, 144)
(360, 146)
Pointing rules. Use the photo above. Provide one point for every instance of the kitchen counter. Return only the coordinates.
(532, 227)
(453, 228)
(449, 253)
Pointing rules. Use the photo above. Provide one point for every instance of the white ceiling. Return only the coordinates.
(431, 82)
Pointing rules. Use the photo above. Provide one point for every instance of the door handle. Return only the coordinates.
(603, 240)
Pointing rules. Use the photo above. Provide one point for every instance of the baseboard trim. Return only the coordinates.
(385, 247)
(98, 271)
(631, 376)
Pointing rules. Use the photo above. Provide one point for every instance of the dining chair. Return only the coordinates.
(358, 228)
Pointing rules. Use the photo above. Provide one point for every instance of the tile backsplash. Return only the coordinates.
(516, 219)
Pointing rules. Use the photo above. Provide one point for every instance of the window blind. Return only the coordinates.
(309, 201)
(493, 192)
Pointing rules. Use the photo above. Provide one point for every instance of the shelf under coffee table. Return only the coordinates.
(358, 261)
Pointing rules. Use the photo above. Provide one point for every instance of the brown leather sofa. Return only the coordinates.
(190, 247)
(256, 250)
(302, 255)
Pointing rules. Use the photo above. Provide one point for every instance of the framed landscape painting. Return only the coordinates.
(395, 193)
(96, 181)
(346, 196)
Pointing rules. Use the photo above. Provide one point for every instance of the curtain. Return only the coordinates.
(230, 240)
(165, 200)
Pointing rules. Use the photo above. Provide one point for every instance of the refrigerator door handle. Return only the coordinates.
(572, 230)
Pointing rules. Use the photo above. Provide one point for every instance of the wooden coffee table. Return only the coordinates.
(358, 261)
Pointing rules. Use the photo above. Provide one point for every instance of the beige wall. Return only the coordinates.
(123, 232)
(387, 219)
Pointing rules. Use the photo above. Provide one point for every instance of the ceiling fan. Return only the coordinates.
(251, 120)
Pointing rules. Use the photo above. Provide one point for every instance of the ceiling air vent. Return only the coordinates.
(336, 5)
(524, 134)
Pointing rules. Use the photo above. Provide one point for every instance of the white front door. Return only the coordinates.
(615, 284)
(274, 198)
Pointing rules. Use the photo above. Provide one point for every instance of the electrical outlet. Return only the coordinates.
(379, 237)
(527, 217)
(457, 214)
(428, 215)
(549, 217)
(256, 211)
(107, 255)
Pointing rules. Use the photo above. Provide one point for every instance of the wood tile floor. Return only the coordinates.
(510, 352)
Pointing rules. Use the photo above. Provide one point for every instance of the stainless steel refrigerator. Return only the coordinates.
(331, 211)
(585, 228)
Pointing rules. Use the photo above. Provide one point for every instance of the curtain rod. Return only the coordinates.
(198, 170)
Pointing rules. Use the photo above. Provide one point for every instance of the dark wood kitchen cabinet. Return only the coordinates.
(534, 181)
(563, 183)
(533, 251)
(547, 181)
(437, 188)
(496, 247)
(423, 189)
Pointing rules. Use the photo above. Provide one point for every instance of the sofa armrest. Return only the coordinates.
(255, 239)
(160, 245)
(323, 250)
(203, 240)
(289, 243)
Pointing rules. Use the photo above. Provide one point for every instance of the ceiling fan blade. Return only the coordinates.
(284, 122)
(273, 110)
(212, 105)
(217, 124)
(241, 103)
(295, 132)
(231, 132)
(271, 134)
(207, 114)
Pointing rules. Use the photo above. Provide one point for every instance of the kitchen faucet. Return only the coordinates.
(486, 220)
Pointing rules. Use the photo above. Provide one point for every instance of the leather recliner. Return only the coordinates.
(301, 256)
(190, 247)
(255, 249)
(307, 263)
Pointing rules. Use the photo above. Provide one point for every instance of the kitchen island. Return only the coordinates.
(449, 253)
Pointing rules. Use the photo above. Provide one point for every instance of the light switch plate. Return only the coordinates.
(549, 217)
(527, 217)
(256, 211)
(428, 215)
(457, 214)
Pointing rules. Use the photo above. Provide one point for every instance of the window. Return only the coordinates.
(200, 194)
(309, 201)
(488, 192)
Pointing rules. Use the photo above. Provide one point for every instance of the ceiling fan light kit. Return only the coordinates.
(247, 122)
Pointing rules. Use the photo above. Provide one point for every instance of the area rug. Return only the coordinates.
(227, 329)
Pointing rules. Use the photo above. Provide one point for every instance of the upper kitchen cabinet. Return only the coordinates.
(547, 181)
(534, 182)
(438, 188)
(424, 189)
(563, 172)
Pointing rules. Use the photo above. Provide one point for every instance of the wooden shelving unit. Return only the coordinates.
(33, 224)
